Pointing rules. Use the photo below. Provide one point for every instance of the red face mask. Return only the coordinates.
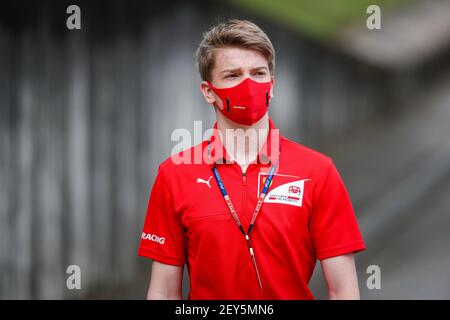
(246, 102)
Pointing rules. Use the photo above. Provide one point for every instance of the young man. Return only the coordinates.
(249, 219)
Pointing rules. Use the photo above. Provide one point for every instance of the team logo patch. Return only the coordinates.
(200, 180)
(153, 237)
(287, 193)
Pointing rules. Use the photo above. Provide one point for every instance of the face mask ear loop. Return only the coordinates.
(215, 103)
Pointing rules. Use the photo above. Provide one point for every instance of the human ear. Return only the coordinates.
(209, 95)
(271, 88)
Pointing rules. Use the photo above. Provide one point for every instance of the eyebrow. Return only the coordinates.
(259, 68)
(238, 69)
(230, 70)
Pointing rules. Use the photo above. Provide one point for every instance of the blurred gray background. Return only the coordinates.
(86, 116)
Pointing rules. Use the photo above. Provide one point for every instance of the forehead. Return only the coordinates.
(231, 57)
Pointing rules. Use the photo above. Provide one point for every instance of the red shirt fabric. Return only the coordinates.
(306, 215)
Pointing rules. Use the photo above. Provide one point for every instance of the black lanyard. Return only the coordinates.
(255, 212)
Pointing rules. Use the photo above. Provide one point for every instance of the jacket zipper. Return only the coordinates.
(244, 195)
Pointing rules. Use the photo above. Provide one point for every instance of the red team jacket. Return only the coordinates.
(306, 215)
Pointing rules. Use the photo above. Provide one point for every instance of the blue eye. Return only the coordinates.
(230, 76)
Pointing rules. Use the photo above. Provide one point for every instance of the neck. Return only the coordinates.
(243, 142)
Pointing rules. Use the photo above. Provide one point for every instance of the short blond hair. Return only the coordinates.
(233, 33)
